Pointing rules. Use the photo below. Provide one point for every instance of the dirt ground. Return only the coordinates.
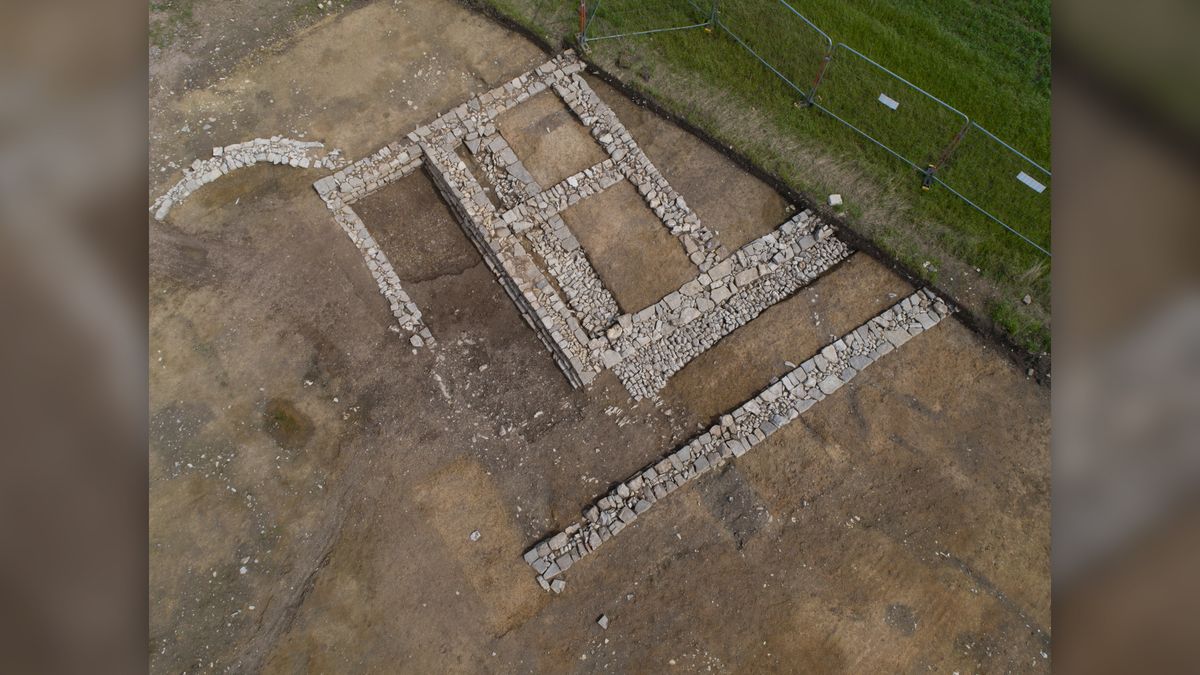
(315, 480)
(635, 255)
(551, 143)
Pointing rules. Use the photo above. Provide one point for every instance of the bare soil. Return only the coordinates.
(741, 210)
(550, 141)
(788, 332)
(315, 481)
(635, 255)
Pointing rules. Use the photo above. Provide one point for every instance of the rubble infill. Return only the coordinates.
(737, 432)
(275, 150)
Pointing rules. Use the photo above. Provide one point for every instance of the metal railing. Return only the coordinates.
(941, 143)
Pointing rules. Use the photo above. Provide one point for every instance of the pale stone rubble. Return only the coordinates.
(330, 189)
(503, 170)
(538, 220)
(699, 243)
(517, 226)
(276, 150)
(656, 342)
(390, 163)
(736, 432)
(506, 255)
(539, 262)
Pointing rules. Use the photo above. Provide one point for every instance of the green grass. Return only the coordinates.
(989, 59)
(167, 19)
(1024, 329)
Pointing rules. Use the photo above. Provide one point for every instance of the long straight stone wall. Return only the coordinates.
(736, 433)
(519, 275)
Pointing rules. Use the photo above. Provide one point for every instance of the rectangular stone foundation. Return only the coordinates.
(541, 265)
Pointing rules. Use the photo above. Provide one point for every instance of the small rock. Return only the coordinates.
(416, 341)
(610, 358)
(603, 621)
(558, 585)
(1027, 299)
(830, 384)
(835, 200)
(475, 535)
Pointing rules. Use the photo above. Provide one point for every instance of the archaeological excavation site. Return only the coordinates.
(464, 358)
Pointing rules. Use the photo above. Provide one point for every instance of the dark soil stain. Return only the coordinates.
(736, 505)
(284, 422)
(901, 617)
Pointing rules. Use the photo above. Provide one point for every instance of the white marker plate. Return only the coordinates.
(1033, 184)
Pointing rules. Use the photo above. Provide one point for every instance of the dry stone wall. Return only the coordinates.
(699, 243)
(735, 433)
(540, 263)
(390, 163)
(276, 150)
(401, 305)
(518, 273)
(660, 340)
(538, 260)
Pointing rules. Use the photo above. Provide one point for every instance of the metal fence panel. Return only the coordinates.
(1004, 184)
(926, 133)
(626, 18)
(894, 113)
(780, 38)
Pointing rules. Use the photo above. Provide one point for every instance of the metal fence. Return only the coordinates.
(936, 140)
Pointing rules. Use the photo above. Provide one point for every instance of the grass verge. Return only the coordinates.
(167, 19)
(989, 59)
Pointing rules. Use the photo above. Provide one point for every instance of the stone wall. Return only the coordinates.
(539, 262)
(537, 259)
(276, 150)
(660, 340)
(336, 198)
(735, 433)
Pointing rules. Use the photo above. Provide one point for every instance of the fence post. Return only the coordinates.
(712, 15)
(928, 174)
(582, 25)
(812, 92)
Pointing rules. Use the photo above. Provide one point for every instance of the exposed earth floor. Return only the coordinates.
(315, 480)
